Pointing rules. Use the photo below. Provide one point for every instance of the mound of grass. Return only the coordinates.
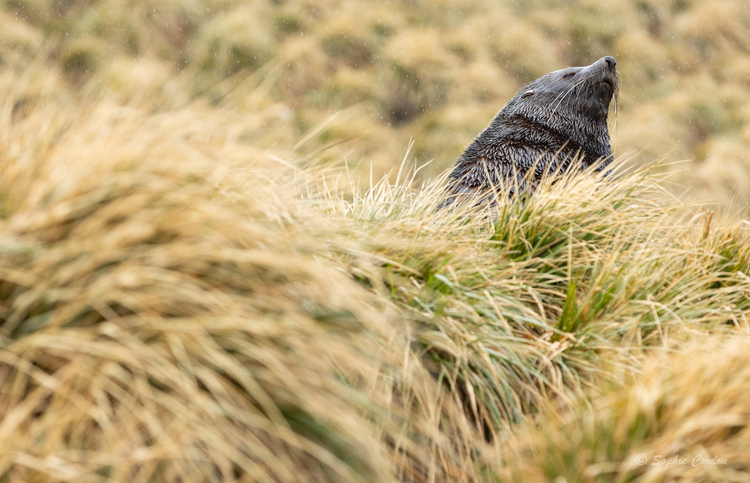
(177, 304)
(166, 316)
(683, 419)
(156, 326)
(520, 308)
(436, 71)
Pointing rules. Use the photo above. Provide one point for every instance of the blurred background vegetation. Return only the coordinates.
(395, 70)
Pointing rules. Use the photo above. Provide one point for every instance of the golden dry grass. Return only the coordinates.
(196, 284)
(178, 305)
(683, 419)
(435, 72)
(169, 313)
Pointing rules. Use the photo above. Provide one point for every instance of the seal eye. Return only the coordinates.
(569, 75)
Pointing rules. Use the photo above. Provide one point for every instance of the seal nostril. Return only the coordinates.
(611, 62)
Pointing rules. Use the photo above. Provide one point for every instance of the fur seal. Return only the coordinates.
(556, 123)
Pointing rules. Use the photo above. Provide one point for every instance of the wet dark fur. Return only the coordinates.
(553, 124)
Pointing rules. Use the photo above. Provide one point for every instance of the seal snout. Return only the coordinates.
(607, 68)
(611, 63)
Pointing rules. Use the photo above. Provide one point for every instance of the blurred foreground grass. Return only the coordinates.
(179, 305)
(191, 290)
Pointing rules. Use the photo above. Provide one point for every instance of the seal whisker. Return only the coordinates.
(562, 97)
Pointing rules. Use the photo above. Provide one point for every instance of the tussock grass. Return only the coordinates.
(165, 316)
(177, 304)
(433, 71)
(683, 419)
(181, 302)
(519, 308)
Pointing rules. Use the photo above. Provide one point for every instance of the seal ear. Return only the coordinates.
(527, 94)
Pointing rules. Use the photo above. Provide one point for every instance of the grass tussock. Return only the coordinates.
(178, 303)
(165, 316)
(436, 72)
(518, 309)
(683, 419)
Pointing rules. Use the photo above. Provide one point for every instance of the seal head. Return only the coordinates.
(556, 123)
